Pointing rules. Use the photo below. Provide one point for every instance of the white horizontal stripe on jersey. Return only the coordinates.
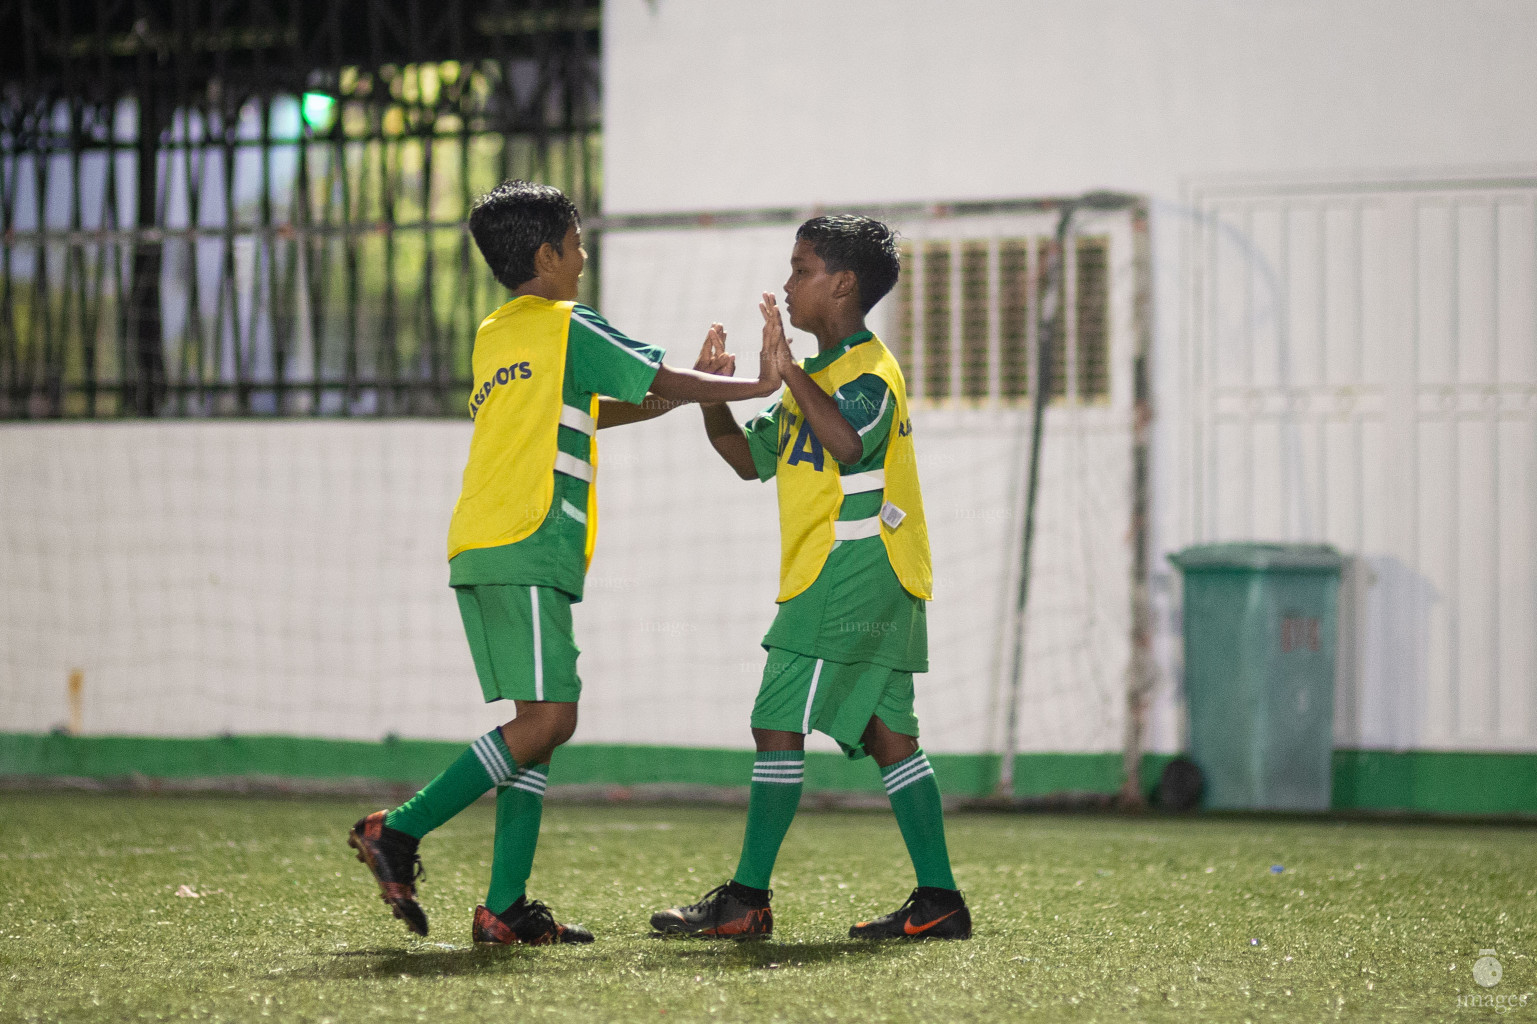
(577, 419)
(859, 483)
(857, 529)
(570, 465)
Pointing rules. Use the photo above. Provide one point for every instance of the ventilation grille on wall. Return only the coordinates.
(965, 324)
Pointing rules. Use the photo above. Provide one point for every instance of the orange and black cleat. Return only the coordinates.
(729, 911)
(929, 913)
(525, 923)
(391, 855)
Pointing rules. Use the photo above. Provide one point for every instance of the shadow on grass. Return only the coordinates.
(698, 952)
(414, 963)
(664, 954)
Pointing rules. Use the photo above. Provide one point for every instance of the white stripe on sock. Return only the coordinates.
(491, 759)
(789, 780)
(902, 773)
(906, 772)
(533, 599)
(536, 790)
(784, 768)
(496, 744)
(904, 766)
(486, 762)
(493, 770)
(908, 780)
(532, 777)
(916, 778)
(816, 674)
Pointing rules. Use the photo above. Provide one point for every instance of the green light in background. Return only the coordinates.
(318, 110)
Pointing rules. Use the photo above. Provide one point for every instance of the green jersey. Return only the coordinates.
(857, 610)
(599, 361)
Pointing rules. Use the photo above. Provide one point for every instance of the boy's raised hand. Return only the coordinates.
(713, 357)
(776, 348)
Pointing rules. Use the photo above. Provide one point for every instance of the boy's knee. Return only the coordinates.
(885, 746)
(563, 724)
(540, 727)
(774, 740)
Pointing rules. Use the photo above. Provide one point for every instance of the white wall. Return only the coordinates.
(289, 577)
(713, 105)
(246, 577)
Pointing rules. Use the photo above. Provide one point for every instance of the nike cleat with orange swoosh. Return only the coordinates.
(929, 913)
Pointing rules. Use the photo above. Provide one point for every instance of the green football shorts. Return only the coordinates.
(800, 694)
(521, 640)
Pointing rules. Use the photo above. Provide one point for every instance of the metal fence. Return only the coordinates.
(257, 209)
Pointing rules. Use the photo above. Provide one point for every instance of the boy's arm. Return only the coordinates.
(614, 413)
(836, 434)
(713, 358)
(696, 386)
(727, 439)
(725, 435)
(692, 386)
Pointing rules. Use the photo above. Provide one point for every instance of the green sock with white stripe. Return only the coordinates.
(915, 799)
(775, 794)
(519, 806)
(485, 764)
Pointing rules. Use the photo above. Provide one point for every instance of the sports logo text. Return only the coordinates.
(517, 371)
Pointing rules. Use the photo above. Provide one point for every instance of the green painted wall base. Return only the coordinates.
(1445, 782)
(1420, 781)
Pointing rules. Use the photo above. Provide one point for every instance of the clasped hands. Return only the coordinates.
(774, 358)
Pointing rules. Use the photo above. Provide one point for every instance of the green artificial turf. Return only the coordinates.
(1078, 918)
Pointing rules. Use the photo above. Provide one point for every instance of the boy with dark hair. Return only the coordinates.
(854, 576)
(522, 535)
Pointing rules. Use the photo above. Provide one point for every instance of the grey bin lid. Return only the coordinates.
(1256, 557)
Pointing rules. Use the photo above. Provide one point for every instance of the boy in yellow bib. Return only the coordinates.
(854, 576)
(522, 536)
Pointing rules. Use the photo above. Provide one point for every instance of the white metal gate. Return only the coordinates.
(1361, 368)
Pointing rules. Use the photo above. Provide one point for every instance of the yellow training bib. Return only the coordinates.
(811, 488)
(509, 482)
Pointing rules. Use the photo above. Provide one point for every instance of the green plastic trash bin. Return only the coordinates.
(1259, 672)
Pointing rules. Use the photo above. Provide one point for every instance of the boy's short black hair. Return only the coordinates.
(510, 223)
(865, 246)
